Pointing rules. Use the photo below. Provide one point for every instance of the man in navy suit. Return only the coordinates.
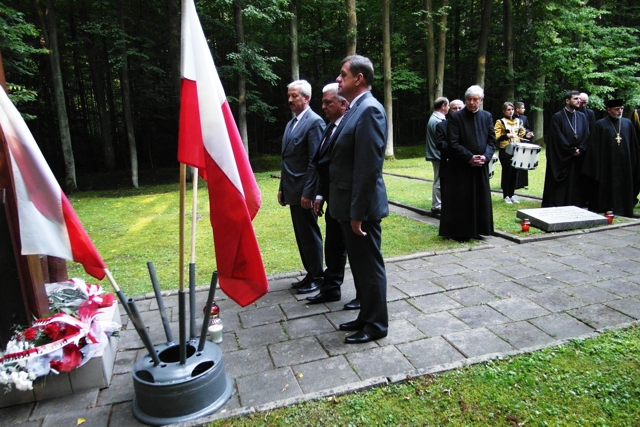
(335, 253)
(300, 142)
(359, 197)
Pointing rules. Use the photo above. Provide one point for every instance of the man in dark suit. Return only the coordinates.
(359, 197)
(297, 184)
(335, 253)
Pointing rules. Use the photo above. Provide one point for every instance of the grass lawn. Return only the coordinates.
(131, 227)
(594, 382)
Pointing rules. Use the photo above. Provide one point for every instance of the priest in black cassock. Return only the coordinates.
(466, 197)
(566, 144)
(613, 163)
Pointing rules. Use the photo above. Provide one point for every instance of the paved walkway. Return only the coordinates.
(446, 310)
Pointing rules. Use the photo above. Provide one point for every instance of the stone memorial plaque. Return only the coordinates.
(562, 218)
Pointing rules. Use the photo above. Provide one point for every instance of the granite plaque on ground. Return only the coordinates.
(561, 218)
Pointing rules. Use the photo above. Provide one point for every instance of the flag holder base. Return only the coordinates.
(171, 392)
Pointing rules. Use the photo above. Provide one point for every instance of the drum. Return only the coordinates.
(492, 165)
(525, 156)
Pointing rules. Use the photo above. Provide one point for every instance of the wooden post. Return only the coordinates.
(22, 277)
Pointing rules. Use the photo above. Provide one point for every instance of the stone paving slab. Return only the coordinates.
(446, 309)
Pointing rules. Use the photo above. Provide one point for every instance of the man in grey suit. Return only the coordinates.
(298, 185)
(359, 197)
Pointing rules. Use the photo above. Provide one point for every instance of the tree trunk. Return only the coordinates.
(352, 27)
(295, 59)
(242, 84)
(509, 88)
(386, 59)
(126, 99)
(50, 31)
(431, 55)
(483, 42)
(442, 48)
(99, 95)
(173, 23)
(537, 114)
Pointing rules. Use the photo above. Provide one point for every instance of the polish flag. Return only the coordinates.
(48, 223)
(209, 140)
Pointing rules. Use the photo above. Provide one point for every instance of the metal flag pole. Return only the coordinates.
(161, 308)
(181, 294)
(132, 311)
(192, 264)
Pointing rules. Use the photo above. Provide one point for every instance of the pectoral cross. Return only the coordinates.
(618, 139)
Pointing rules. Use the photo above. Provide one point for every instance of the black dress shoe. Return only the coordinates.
(309, 287)
(354, 304)
(362, 337)
(354, 325)
(301, 283)
(324, 297)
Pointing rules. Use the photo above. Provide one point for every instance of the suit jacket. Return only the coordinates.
(358, 145)
(321, 161)
(297, 169)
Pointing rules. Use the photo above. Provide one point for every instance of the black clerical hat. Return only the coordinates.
(612, 103)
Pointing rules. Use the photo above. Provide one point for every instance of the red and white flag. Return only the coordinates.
(209, 140)
(48, 223)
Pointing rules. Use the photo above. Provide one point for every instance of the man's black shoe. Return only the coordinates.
(324, 297)
(354, 325)
(362, 337)
(354, 304)
(307, 288)
(299, 284)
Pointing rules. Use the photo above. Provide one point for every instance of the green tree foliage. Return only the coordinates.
(19, 43)
(576, 44)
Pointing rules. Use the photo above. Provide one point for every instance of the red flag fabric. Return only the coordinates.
(209, 140)
(48, 223)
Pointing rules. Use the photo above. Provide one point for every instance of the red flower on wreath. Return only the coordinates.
(30, 334)
(53, 331)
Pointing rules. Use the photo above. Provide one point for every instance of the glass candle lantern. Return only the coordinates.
(609, 215)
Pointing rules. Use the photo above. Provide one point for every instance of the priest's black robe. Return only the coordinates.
(466, 196)
(614, 169)
(562, 183)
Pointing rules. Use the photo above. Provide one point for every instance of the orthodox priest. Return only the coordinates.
(566, 145)
(466, 202)
(613, 163)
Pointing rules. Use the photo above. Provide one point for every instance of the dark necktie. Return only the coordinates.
(293, 124)
(327, 136)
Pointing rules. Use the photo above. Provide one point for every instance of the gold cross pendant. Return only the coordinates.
(618, 139)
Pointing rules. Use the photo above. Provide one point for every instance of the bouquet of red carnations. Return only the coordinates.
(62, 342)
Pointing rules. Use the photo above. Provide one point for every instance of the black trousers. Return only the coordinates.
(369, 275)
(309, 240)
